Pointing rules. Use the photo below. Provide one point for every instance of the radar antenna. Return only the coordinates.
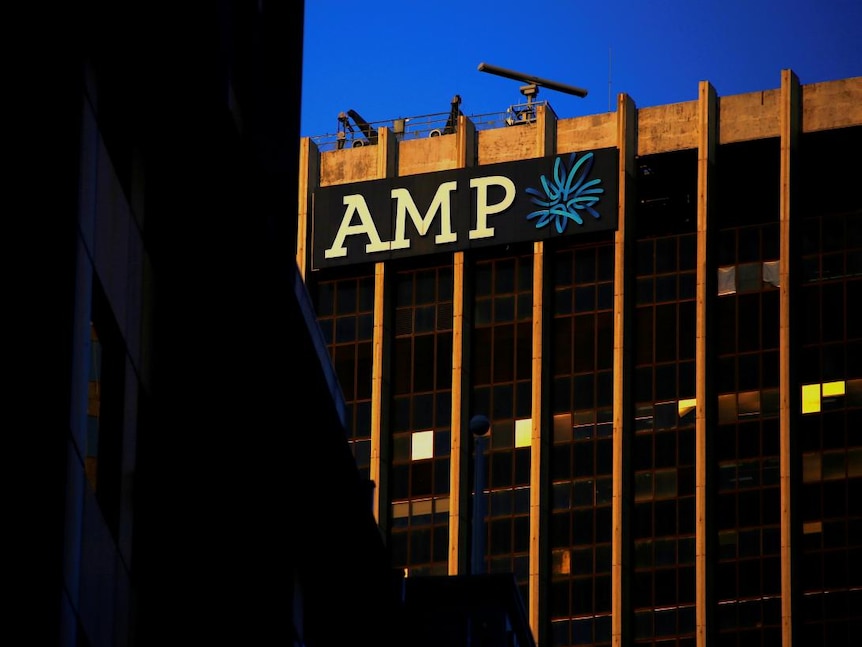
(526, 113)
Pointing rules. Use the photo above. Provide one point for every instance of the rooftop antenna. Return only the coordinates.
(526, 113)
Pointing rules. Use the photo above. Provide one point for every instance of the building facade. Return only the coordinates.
(655, 310)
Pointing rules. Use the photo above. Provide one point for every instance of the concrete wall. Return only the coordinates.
(660, 129)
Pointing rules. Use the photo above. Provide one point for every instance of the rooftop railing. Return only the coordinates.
(430, 125)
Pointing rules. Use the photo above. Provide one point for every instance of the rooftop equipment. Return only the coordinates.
(526, 112)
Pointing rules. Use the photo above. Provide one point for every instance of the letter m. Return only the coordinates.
(441, 202)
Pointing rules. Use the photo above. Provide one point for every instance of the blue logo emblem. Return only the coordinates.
(568, 195)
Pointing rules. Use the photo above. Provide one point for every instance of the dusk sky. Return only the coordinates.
(386, 59)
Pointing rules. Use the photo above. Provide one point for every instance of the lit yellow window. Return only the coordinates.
(523, 432)
(686, 405)
(423, 445)
(812, 393)
(810, 398)
(831, 389)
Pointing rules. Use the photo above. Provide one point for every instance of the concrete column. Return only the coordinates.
(546, 122)
(309, 178)
(790, 123)
(459, 484)
(387, 154)
(538, 466)
(707, 144)
(623, 244)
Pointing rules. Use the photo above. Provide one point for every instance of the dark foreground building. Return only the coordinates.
(656, 309)
(186, 475)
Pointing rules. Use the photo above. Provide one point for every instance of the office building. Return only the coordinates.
(655, 309)
(184, 468)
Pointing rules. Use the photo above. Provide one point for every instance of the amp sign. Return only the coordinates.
(466, 208)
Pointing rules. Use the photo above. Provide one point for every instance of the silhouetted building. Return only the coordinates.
(188, 478)
(655, 309)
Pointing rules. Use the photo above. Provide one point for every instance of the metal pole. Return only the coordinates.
(480, 427)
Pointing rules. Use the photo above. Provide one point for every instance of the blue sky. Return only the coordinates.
(387, 59)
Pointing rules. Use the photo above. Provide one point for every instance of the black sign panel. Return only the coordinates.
(466, 208)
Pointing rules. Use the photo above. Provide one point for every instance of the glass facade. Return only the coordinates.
(421, 421)
(345, 309)
(581, 469)
(746, 438)
(501, 382)
(748, 420)
(663, 439)
(829, 435)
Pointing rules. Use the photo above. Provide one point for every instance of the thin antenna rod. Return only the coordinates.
(609, 79)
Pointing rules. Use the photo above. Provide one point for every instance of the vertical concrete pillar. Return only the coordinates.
(707, 143)
(387, 157)
(309, 178)
(459, 484)
(546, 137)
(790, 123)
(538, 466)
(623, 244)
(546, 131)
(379, 395)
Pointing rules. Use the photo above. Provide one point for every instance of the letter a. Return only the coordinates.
(356, 205)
